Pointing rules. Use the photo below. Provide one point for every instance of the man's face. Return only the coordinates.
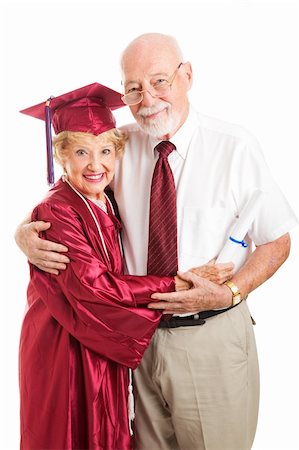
(159, 115)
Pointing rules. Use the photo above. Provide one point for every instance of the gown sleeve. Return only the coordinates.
(98, 307)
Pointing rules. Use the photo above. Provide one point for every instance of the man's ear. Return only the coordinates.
(188, 73)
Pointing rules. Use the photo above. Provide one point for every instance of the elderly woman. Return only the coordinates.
(84, 328)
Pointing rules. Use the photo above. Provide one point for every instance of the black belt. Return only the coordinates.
(190, 321)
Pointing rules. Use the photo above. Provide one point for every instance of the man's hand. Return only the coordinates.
(203, 296)
(206, 295)
(43, 254)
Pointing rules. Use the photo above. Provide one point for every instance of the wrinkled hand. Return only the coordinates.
(218, 273)
(203, 296)
(180, 284)
(42, 253)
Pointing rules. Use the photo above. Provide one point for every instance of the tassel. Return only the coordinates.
(50, 164)
(131, 409)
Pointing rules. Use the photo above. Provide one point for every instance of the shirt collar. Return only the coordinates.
(181, 138)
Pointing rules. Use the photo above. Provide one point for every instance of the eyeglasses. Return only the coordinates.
(159, 88)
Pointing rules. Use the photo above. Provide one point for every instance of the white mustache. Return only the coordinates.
(143, 112)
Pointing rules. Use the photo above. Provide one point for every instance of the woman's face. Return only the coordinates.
(89, 165)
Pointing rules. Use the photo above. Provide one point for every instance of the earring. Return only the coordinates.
(64, 176)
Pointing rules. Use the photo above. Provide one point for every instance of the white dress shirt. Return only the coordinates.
(216, 167)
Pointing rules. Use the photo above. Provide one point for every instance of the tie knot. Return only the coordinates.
(165, 148)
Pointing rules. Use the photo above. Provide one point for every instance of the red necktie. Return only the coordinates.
(162, 247)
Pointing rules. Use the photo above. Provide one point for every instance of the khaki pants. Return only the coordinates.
(198, 387)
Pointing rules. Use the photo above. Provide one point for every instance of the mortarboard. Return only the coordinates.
(87, 109)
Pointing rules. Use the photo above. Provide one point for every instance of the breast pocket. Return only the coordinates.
(204, 231)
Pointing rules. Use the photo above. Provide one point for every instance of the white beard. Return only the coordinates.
(157, 127)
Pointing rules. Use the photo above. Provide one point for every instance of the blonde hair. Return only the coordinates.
(62, 141)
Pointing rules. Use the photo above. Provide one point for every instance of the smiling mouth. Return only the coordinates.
(94, 178)
(153, 115)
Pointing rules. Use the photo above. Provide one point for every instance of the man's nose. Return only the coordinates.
(148, 98)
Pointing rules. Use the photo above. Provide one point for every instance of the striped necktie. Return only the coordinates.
(162, 247)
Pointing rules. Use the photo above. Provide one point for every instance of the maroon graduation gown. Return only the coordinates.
(81, 332)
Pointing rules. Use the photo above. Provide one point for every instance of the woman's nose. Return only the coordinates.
(95, 163)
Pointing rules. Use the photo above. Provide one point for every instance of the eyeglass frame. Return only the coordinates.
(169, 84)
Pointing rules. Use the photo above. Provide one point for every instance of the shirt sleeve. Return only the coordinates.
(250, 172)
(96, 306)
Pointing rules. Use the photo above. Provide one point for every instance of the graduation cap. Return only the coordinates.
(87, 109)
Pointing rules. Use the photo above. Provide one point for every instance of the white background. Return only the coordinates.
(245, 61)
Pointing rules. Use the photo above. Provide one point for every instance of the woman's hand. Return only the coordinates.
(181, 285)
(218, 273)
